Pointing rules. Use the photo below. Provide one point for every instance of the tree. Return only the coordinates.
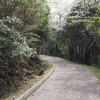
(81, 31)
(23, 26)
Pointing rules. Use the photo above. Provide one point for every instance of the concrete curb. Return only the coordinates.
(36, 86)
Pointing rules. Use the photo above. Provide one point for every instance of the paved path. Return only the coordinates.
(69, 81)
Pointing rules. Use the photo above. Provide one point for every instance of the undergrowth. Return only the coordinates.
(15, 81)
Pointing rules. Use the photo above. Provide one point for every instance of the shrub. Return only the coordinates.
(13, 44)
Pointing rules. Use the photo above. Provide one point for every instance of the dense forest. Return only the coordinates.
(79, 37)
(23, 27)
(26, 32)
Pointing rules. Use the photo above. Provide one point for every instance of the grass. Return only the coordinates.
(95, 70)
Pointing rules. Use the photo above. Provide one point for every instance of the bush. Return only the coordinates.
(13, 44)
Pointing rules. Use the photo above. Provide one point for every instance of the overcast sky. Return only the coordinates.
(60, 6)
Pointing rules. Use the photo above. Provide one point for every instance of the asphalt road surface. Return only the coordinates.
(70, 81)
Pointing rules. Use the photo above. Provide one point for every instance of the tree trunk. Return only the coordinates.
(71, 52)
(87, 57)
(87, 51)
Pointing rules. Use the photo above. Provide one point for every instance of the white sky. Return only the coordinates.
(60, 6)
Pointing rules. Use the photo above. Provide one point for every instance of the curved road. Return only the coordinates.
(70, 81)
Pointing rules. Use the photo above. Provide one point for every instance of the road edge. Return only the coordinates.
(36, 86)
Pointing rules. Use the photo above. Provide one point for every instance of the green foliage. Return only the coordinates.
(79, 38)
(23, 34)
(13, 44)
(65, 50)
(21, 25)
(95, 70)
